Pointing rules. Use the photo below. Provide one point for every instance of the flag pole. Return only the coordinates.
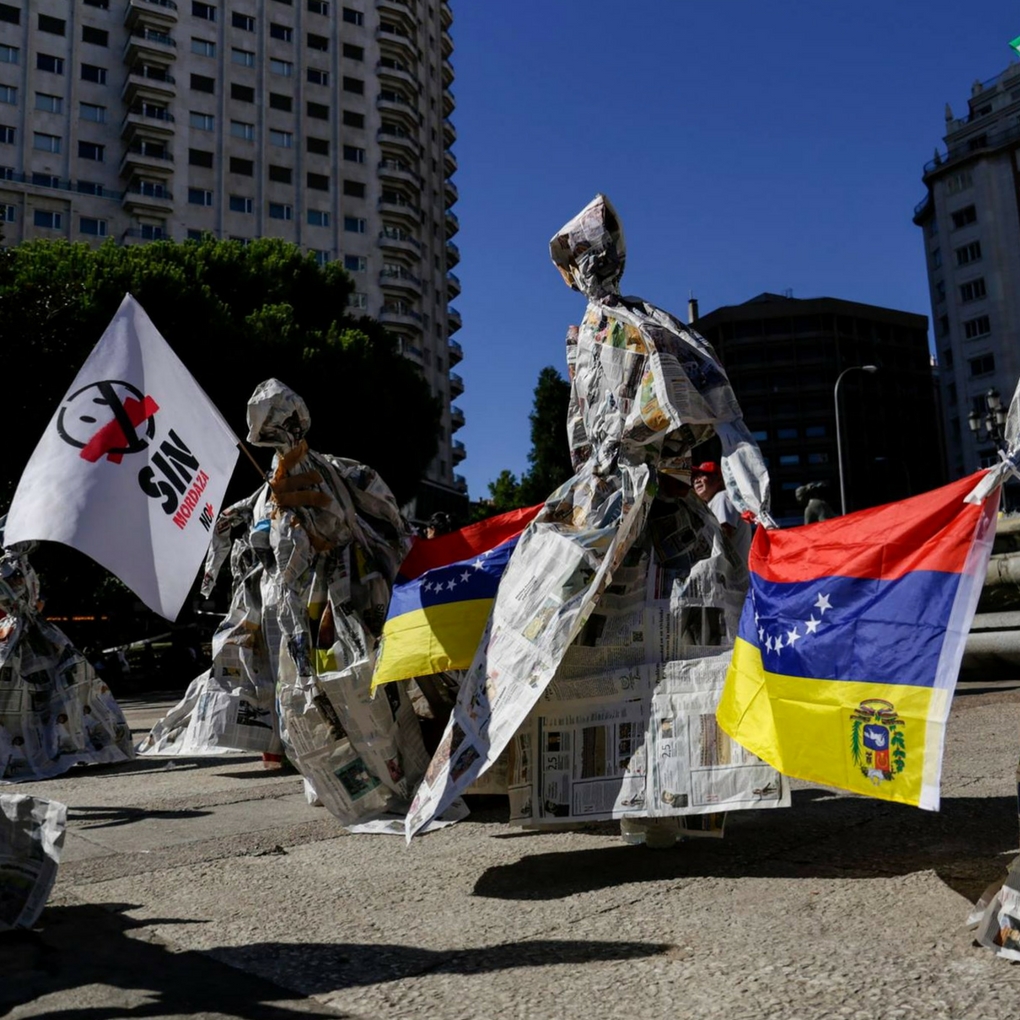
(244, 449)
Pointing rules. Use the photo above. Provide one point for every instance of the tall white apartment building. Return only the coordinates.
(971, 223)
(323, 122)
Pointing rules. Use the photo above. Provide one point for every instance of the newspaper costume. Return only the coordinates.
(585, 624)
(232, 705)
(32, 831)
(331, 539)
(55, 712)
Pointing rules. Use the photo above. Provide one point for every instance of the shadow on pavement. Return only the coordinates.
(142, 765)
(108, 816)
(967, 844)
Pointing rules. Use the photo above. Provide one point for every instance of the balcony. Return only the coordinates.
(450, 192)
(398, 314)
(147, 196)
(454, 352)
(449, 103)
(391, 279)
(456, 385)
(148, 81)
(452, 224)
(449, 163)
(453, 322)
(397, 170)
(447, 73)
(396, 105)
(145, 234)
(449, 133)
(399, 141)
(398, 240)
(460, 483)
(456, 418)
(396, 71)
(150, 119)
(400, 11)
(145, 43)
(399, 42)
(445, 14)
(147, 160)
(457, 451)
(452, 254)
(452, 286)
(408, 215)
(161, 11)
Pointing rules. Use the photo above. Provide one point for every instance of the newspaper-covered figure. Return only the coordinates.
(583, 670)
(232, 705)
(32, 831)
(55, 712)
(331, 539)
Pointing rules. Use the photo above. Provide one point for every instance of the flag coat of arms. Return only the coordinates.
(442, 598)
(132, 467)
(851, 639)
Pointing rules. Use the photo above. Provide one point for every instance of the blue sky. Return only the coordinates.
(747, 146)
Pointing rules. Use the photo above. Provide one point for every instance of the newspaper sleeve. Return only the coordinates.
(31, 840)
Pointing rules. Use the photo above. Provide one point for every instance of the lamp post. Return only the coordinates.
(871, 369)
(993, 421)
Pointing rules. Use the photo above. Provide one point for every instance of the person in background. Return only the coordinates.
(708, 485)
(816, 508)
(438, 524)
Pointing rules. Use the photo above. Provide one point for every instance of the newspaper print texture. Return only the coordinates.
(55, 712)
(32, 833)
(331, 539)
(232, 705)
(645, 390)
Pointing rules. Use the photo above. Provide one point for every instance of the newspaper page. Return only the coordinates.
(31, 840)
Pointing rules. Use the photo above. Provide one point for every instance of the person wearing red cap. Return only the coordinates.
(708, 485)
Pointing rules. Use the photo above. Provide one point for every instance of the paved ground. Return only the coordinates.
(209, 889)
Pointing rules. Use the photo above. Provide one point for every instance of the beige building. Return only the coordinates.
(323, 122)
(972, 250)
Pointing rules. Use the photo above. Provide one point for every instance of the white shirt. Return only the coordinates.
(726, 513)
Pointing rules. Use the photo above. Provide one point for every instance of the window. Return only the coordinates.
(285, 139)
(6, 135)
(280, 102)
(55, 26)
(352, 52)
(321, 257)
(283, 32)
(318, 218)
(357, 300)
(280, 174)
(199, 157)
(320, 7)
(963, 217)
(932, 227)
(936, 258)
(241, 204)
(982, 366)
(243, 21)
(353, 154)
(317, 42)
(12, 15)
(243, 57)
(818, 458)
(787, 433)
(199, 196)
(242, 167)
(354, 224)
(354, 188)
(318, 145)
(203, 47)
(90, 72)
(317, 77)
(279, 211)
(959, 182)
(45, 143)
(943, 325)
(8, 54)
(318, 111)
(48, 220)
(951, 394)
(204, 12)
(355, 263)
(789, 459)
(89, 150)
(93, 227)
(89, 188)
(355, 85)
(240, 129)
(317, 182)
(354, 120)
(972, 290)
(102, 4)
(201, 121)
(91, 112)
(353, 17)
(45, 180)
(48, 103)
(200, 83)
(968, 253)
(282, 67)
(7, 213)
(940, 290)
(46, 62)
(243, 93)
(977, 327)
(947, 357)
(95, 36)
(9, 94)
(153, 231)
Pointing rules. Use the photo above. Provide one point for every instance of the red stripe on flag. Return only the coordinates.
(932, 531)
(460, 545)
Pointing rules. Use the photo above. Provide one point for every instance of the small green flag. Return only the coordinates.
(1015, 43)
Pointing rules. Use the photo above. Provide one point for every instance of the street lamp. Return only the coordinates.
(871, 369)
(993, 421)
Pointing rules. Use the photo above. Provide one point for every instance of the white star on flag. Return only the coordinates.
(778, 644)
(478, 564)
(466, 575)
(451, 584)
(823, 603)
(812, 625)
(792, 637)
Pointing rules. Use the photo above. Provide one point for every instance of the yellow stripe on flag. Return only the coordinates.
(816, 729)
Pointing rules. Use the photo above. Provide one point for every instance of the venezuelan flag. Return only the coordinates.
(442, 598)
(851, 639)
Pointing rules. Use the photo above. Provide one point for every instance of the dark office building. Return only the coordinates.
(784, 356)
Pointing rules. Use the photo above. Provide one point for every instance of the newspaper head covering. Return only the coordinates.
(277, 416)
(590, 251)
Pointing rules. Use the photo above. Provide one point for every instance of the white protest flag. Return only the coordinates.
(133, 466)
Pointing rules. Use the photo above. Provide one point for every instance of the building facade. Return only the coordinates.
(322, 122)
(784, 355)
(970, 218)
